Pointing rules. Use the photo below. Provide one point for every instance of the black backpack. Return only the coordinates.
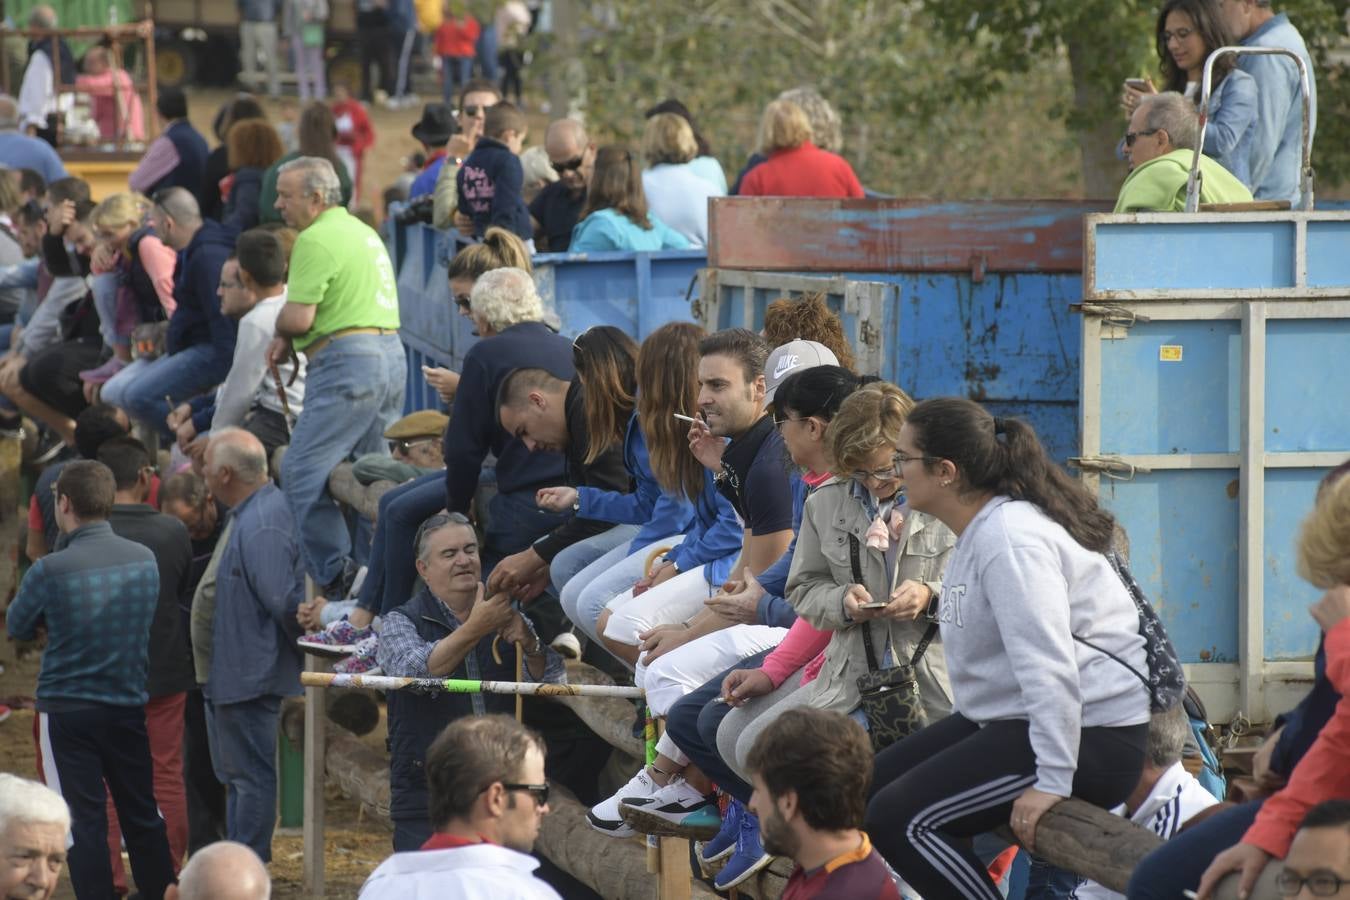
(1166, 681)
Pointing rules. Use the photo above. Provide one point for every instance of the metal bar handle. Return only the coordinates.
(1305, 173)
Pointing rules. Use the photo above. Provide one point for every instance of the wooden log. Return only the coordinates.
(356, 711)
(1086, 839)
(611, 718)
(364, 498)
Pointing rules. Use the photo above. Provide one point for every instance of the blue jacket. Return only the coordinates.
(190, 172)
(474, 429)
(1277, 145)
(260, 582)
(660, 514)
(491, 185)
(1232, 125)
(773, 608)
(241, 209)
(714, 538)
(98, 597)
(1304, 722)
(198, 319)
(606, 229)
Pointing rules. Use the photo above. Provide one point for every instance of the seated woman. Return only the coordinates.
(675, 505)
(1042, 716)
(851, 618)
(676, 193)
(1304, 759)
(254, 147)
(1188, 31)
(704, 163)
(133, 278)
(317, 135)
(616, 217)
(796, 167)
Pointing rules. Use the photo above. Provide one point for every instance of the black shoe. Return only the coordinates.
(341, 586)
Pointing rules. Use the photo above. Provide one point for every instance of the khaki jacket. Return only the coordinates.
(821, 574)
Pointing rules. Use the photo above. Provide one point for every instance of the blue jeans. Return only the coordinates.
(1047, 882)
(589, 591)
(105, 304)
(243, 752)
(141, 387)
(575, 561)
(353, 392)
(392, 573)
(487, 51)
(1178, 864)
(455, 73)
(692, 724)
(514, 523)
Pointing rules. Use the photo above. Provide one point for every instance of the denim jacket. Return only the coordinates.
(660, 514)
(1277, 145)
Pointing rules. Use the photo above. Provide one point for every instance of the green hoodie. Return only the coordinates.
(1159, 185)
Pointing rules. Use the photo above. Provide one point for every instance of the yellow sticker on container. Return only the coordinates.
(1169, 353)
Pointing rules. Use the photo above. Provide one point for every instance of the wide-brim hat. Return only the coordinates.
(437, 124)
(794, 356)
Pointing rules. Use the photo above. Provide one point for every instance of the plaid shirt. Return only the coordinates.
(97, 598)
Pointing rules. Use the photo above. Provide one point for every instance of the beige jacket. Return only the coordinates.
(821, 574)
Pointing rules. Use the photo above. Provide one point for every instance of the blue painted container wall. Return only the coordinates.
(1008, 341)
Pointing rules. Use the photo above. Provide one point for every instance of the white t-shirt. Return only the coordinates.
(479, 872)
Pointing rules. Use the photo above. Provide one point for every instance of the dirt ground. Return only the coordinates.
(354, 843)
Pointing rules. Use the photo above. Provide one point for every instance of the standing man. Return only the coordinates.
(96, 600)
(38, 97)
(557, 208)
(170, 671)
(34, 831)
(342, 312)
(1277, 148)
(258, 34)
(259, 585)
(811, 771)
(177, 158)
(199, 345)
(447, 630)
(488, 796)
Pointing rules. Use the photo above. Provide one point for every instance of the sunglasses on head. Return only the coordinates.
(563, 168)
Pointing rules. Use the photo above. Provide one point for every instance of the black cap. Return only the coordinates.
(436, 126)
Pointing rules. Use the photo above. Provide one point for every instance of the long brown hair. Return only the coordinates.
(1004, 456)
(616, 184)
(1209, 23)
(317, 133)
(605, 359)
(667, 378)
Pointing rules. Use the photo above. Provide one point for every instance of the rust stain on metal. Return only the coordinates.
(1232, 489)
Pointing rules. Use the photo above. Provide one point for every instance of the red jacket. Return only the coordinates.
(361, 135)
(805, 171)
(1324, 771)
(457, 37)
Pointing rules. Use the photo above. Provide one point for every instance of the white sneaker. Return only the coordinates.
(675, 809)
(604, 816)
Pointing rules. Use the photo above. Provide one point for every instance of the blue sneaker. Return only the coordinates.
(749, 857)
(723, 844)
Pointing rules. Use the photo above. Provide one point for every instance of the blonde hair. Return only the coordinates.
(783, 127)
(667, 138)
(500, 249)
(869, 418)
(1324, 541)
(119, 210)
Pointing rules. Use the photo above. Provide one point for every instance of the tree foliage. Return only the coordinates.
(938, 97)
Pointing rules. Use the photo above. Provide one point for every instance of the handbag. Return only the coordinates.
(889, 697)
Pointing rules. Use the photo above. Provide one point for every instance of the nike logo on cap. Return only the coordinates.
(784, 365)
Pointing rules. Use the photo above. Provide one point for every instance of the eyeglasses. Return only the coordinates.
(474, 112)
(1132, 136)
(779, 423)
(887, 474)
(1180, 34)
(462, 301)
(538, 791)
(1320, 884)
(406, 446)
(571, 165)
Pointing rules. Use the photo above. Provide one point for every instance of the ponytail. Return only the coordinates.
(1004, 456)
(500, 249)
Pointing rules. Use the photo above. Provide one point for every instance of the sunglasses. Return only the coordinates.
(1132, 136)
(538, 791)
(406, 446)
(563, 168)
(474, 112)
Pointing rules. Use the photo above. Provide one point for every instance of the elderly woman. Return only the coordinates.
(676, 193)
(795, 166)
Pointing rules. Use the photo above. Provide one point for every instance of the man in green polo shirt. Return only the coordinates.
(342, 312)
(1160, 144)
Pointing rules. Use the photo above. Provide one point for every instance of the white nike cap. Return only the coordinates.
(794, 356)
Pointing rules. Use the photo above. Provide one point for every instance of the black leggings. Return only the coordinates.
(954, 780)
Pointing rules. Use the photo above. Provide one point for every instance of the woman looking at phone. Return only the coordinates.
(1188, 31)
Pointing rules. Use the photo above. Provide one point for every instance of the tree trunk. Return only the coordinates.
(1098, 135)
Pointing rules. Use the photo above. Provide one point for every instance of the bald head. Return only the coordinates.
(565, 139)
(240, 452)
(176, 217)
(224, 871)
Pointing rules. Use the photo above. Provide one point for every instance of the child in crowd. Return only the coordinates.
(491, 181)
(455, 40)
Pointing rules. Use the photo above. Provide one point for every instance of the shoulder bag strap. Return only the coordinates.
(855, 558)
(929, 633)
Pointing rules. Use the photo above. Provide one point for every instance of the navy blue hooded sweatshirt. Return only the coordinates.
(491, 185)
(198, 319)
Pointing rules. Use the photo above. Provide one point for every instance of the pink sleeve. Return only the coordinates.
(160, 158)
(1324, 771)
(101, 85)
(803, 642)
(160, 261)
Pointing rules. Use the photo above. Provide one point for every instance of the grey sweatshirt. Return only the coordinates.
(1017, 590)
